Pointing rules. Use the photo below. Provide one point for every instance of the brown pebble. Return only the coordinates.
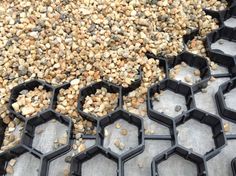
(124, 132)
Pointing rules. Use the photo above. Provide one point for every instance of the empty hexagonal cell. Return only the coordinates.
(201, 132)
(94, 161)
(168, 99)
(10, 134)
(226, 99)
(48, 132)
(61, 165)
(177, 161)
(29, 98)
(122, 133)
(141, 164)
(190, 69)
(99, 99)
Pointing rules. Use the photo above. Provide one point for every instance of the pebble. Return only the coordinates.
(68, 159)
(178, 108)
(82, 148)
(119, 144)
(124, 132)
(118, 125)
(187, 78)
(204, 90)
(9, 169)
(75, 82)
(226, 127)
(28, 110)
(12, 162)
(197, 72)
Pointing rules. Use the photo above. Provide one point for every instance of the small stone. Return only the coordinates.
(28, 110)
(226, 127)
(12, 162)
(221, 42)
(68, 159)
(118, 125)
(178, 108)
(187, 79)
(212, 79)
(106, 132)
(62, 140)
(9, 169)
(183, 64)
(66, 172)
(197, 72)
(75, 82)
(81, 148)
(34, 34)
(204, 90)
(124, 132)
(16, 106)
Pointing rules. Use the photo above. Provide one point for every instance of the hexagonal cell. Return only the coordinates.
(162, 105)
(221, 164)
(220, 45)
(141, 164)
(29, 98)
(201, 132)
(94, 161)
(178, 161)
(21, 162)
(98, 100)
(10, 134)
(190, 69)
(61, 165)
(48, 131)
(225, 99)
(122, 133)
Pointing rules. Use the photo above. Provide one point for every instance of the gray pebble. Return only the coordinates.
(68, 159)
(178, 108)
